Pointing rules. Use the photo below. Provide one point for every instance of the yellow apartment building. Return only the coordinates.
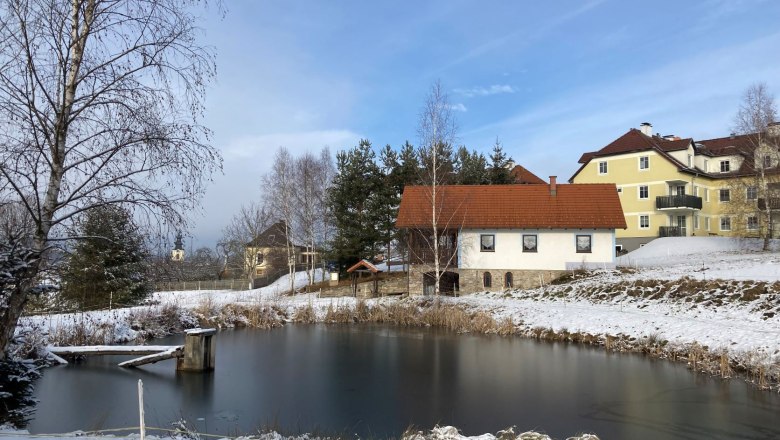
(669, 186)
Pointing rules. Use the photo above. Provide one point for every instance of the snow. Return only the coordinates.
(271, 292)
(707, 257)
(437, 433)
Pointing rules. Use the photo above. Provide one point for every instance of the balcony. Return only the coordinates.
(681, 202)
(422, 255)
(774, 203)
(671, 231)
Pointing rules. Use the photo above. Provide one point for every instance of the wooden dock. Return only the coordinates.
(197, 354)
(150, 353)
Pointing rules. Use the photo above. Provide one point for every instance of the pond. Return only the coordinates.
(375, 380)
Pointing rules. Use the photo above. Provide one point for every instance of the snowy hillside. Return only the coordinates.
(706, 258)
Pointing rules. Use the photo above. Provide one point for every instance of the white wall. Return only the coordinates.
(555, 248)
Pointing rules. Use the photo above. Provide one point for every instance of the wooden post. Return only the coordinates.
(199, 350)
(141, 408)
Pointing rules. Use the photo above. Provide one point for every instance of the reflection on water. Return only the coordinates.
(377, 380)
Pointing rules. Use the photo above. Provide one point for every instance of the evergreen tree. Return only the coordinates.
(353, 201)
(408, 170)
(108, 264)
(445, 163)
(387, 199)
(472, 167)
(499, 173)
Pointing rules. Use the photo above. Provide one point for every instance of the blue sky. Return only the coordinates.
(551, 80)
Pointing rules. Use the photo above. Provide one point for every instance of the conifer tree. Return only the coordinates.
(472, 167)
(108, 264)
(499, 173)
(353, 200)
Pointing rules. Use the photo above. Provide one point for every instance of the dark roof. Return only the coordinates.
(635, 141)
(523, 176)
(274, 236)
(575, 206)
(729, 145)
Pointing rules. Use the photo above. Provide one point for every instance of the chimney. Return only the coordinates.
(646, 128)
(553, 186)
(732, 135)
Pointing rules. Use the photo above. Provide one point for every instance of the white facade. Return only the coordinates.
(556, 249)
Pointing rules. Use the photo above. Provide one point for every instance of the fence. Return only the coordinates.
(174, 286)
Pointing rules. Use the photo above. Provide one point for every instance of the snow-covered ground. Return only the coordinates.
(706, 258)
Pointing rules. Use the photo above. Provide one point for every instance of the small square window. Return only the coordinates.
(644, 192)
(644, 221)
(725, 166)
(725, 223)
(529, 243)
(584, 244)
(725, 195)
(487, 243)
(752, 193)
(602, 167)
(752, 223)
(644, 162)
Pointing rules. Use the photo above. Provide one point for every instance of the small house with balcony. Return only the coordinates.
(670, 186)
(494, 237)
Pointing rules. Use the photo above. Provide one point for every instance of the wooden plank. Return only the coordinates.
(96, 350)
(58, 359)
(153, 358)
(201, 331)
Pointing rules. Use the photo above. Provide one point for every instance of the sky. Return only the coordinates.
(550, 80)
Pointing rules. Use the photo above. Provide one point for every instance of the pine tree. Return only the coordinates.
(408, 171)
(499, 173)
(108, 264)
(472, 167)
(354, 198)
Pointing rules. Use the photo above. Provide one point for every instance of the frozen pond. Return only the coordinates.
(376, 381)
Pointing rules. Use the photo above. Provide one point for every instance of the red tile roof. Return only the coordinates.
(523, 176)
(575, 206)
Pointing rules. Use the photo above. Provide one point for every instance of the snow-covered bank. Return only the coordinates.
(706, 258)
(437, 433)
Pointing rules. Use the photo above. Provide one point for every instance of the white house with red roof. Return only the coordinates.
(491, 237)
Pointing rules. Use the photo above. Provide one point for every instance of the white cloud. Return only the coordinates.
(459, 107)
(495, 89)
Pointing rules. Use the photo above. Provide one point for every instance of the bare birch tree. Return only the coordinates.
(313, 177)
(245, 226)
(754, 119)
(280, 188)
(437, 131)
(99, 105)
